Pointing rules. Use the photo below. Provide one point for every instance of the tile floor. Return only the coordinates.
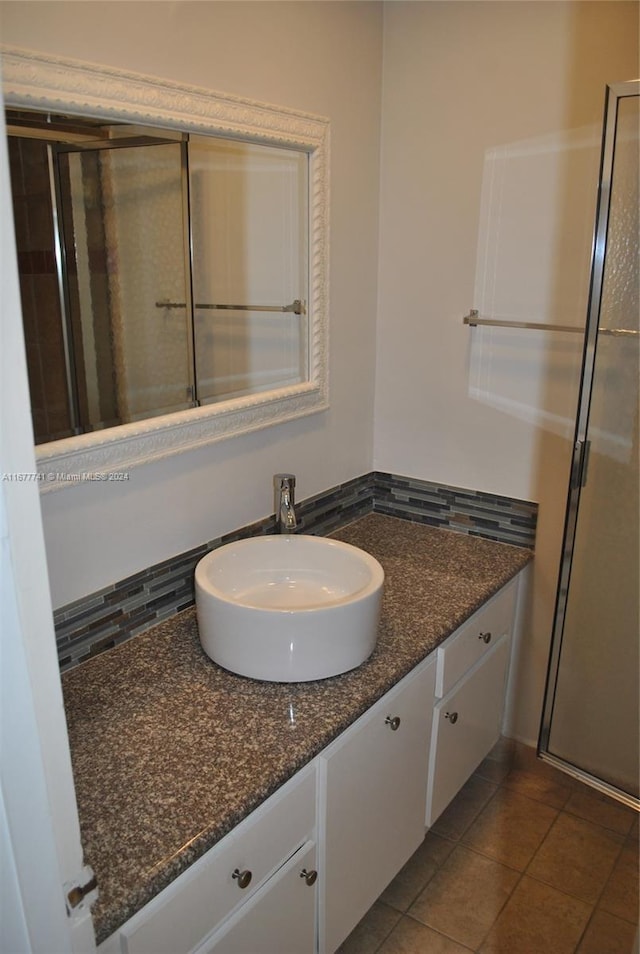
(525, 860)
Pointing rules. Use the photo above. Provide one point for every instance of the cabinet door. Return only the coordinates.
(280, 918)
(466, 725)
(374, 789)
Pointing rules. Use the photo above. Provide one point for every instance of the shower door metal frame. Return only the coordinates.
(70, 366)
(615, 93)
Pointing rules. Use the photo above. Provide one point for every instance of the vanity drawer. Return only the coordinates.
(179, 918)
(474, 638)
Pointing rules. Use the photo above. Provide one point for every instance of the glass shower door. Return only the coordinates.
(122, 210)
(591, 715)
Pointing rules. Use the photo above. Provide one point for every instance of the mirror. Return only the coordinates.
(185, 293)
(138, 256)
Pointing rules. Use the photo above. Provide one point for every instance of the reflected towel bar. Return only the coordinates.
(296, 307)
(474, 321)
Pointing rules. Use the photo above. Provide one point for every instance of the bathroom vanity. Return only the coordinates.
(221, 814)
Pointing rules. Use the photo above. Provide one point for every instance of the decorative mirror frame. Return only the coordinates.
(37, 81)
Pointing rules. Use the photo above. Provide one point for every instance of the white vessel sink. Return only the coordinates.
(288, 608)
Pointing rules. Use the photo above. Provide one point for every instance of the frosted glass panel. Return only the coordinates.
(596, 716)
(249, 240)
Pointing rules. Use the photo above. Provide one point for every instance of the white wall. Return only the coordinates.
(323, 58)
(491, 123)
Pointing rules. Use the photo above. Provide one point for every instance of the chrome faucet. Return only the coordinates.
(284, 496)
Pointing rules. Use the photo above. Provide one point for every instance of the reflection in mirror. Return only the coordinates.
(248, 234)
(160, 271)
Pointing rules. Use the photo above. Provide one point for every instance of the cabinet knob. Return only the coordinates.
(242, 877)
(485, 637)
(393, 722)
(310, 877)
(452, 717)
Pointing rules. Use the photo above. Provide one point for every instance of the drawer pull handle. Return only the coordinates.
(242, 877)
(452, 717)
(485, 637)
(393, 723)
(310, 877)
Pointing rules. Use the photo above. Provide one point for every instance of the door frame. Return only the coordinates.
(39, 825)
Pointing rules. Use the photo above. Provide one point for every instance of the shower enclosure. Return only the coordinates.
(591, 717)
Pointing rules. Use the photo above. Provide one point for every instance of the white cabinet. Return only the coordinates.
(373, 782)
(472, 670)
(281, 916)
(186, 913)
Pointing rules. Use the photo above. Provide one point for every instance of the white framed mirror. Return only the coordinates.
(36, 82)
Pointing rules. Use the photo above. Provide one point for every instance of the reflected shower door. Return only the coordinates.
(122, 211)
(591, 718)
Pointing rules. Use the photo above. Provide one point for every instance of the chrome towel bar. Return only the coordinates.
(474, 320)
(296, 307)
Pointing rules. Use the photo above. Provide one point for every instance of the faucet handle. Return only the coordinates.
(280, 481)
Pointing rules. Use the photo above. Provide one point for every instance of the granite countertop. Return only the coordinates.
(170, 751)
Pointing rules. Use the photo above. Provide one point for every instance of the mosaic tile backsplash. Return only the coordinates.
(104, 619)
